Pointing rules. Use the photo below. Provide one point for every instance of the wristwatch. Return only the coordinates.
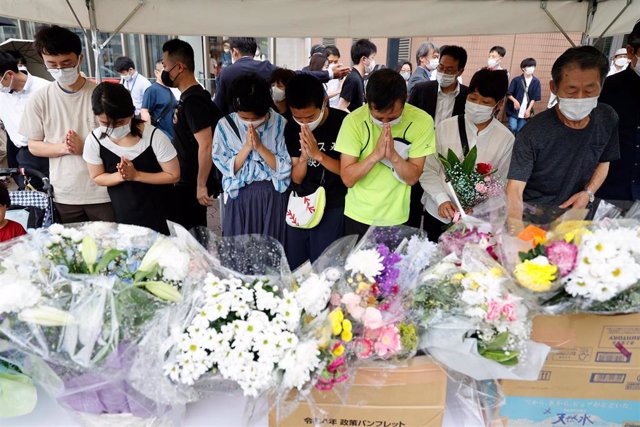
(591, 195)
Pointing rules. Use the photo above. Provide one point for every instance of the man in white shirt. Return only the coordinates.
(493, 140)
(16, 88)
(132, 80)
(619, 62)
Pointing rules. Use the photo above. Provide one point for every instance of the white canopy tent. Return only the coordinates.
(330, 18)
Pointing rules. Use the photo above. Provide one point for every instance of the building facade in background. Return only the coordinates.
(293, 53)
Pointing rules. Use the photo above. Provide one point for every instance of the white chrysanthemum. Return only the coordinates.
(367, 262)
(313, 294)
(17, 294)
(299, 363)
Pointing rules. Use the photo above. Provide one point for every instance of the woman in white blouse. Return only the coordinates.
(493, 140)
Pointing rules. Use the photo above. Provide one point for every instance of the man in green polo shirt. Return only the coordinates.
(383, 144)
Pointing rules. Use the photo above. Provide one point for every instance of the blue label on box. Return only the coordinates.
(554, 412)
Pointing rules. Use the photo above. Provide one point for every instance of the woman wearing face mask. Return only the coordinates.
(494, 143)
(279, 79)
(250, 152)
(405, 68)
(524, 91)
(129, 157)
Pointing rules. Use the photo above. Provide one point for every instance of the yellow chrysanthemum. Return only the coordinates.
(536, 274)
(571, 231)
(363, 287)
(346, 336)
(336, 317)
(338, 350)
(457, 278)
(346, 325)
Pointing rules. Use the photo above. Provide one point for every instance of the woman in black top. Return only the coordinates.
(128, 156)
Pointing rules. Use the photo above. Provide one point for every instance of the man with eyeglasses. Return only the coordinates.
(383, 146)
(441, 99)
(56, 122)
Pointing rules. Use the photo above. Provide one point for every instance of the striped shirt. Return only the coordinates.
(226, 146)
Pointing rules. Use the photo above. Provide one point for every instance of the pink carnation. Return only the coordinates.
(509, 311)
(481, 188)
(364, 348)
(372, 318)
(493, 311)
(563, 255)
(388, 342)
(352, 303)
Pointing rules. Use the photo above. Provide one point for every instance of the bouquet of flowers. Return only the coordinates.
(472, 322)
(582, 266)
(250, 327)
(471, 183)
(379, 274)
(79, 297)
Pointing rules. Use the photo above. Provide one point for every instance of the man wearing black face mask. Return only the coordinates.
(194, 120)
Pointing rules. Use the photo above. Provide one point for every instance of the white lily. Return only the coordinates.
(46, 316)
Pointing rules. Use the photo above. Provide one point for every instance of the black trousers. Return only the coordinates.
(416, 209)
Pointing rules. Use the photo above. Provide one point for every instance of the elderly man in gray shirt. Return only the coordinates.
(561, 158)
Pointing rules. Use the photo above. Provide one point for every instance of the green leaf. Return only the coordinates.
(499, 342)
(452, 158)
(469, 163)
(106, 259)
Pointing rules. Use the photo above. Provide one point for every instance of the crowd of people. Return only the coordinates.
(309, 156)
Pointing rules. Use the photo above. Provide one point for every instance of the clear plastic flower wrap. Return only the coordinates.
(249, 327)
(18, 395)
(480, 227)
(79, 298)
(472, 323)
(373, 298)
(603, 275)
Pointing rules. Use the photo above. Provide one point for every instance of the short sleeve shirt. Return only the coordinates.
(195, 112)
(353, 90)
(556, 161)
(326, 136)
(160, 144)
(379, 198)
(161, 103)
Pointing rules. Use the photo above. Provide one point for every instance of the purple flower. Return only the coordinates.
(390, 273)
(563, 255)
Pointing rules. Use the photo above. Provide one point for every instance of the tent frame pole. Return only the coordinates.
(92, 33)
(613, 22)
(543, 6)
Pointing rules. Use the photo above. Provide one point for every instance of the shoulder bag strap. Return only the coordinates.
(462, 129)
(233, 125)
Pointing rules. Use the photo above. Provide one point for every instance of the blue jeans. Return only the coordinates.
(516, 124)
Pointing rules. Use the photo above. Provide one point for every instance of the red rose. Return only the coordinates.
(484, 168)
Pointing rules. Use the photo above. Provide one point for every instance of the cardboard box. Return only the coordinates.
(591, 376)
(411, 394)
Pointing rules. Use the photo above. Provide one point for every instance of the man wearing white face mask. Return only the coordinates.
(311, 137)
(561, 158)
(622, 92)
(56, 121)
(496, 55)
(363, 53)
(492, 140)
(383, 145)
(523, 93)
(441, 99)
(427, 58)
(619, 63)
(135, 83)
(16, 88)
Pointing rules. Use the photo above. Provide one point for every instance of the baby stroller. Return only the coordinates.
(30, 207)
